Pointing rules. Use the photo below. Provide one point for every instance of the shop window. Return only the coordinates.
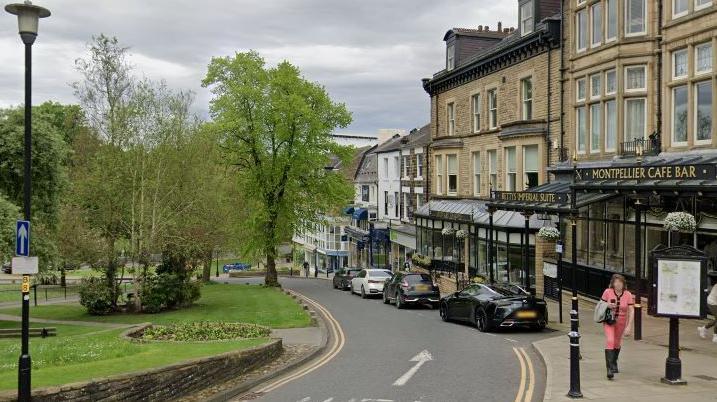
(703, 112)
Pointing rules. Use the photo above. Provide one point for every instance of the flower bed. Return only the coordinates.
(203, 331)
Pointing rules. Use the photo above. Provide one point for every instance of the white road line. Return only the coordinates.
(420, 360)
(330, 399)
(307, 399)
(511, 340)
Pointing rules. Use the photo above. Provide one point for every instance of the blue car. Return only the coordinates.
(237, 266)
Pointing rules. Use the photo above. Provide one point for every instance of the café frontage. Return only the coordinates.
(618, 209)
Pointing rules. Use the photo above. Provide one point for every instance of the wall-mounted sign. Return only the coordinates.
(679, 283)
(451, 216)
(527, 196)
(666, 172)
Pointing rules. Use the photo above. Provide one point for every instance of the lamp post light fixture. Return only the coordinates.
(28, 16)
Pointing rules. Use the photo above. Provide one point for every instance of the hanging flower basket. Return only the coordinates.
(421, 261)
(447, 231)
(680, 222)
(461, 234)
(548, 233)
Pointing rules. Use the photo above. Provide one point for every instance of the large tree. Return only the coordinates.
(276, 129)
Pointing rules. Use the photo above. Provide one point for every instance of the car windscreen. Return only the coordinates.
(418, 278)
(503, 291)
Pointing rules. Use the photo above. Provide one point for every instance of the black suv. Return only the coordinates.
(411, 288)
(343, 277)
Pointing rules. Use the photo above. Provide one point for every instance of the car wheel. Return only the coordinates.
(351, 288)
(363, 293)
(443, 309)
(539, 326)
(399, 304)
(482, 321)
(386, 300)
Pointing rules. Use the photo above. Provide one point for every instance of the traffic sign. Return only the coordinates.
(25, 265)
(22, 238)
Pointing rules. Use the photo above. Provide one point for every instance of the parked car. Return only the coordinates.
(236, 266)
(342, 279)
(411, 288)
(495, 306)
(369, 282)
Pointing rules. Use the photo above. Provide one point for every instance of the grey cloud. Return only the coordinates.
(370, 54)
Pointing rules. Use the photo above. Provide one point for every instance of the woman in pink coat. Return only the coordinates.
(622, 304)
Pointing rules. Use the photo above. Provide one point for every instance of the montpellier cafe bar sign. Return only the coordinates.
(664, 172)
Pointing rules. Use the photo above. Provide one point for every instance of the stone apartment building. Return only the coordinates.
(495, 127)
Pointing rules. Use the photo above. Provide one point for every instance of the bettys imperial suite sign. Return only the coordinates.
(664, 172)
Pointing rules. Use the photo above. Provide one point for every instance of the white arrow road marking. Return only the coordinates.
(420, 360)
(22, 234)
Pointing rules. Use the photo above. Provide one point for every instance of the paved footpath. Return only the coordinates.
(642, 363)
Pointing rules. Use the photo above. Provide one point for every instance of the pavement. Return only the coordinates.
(642, 363)
(393, 355)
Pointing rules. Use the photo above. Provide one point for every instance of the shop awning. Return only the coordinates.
(349, 210)
(549, 198)
(474, 211)
(360, 214)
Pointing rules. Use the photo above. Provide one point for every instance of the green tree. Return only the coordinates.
(275, 127)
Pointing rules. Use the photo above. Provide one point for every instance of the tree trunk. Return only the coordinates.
(271, 278)
(207, 271)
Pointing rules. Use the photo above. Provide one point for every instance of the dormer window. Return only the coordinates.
(526, 17)
(450, 57)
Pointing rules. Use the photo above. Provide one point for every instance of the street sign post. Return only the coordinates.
(25, 265)
(22, 238)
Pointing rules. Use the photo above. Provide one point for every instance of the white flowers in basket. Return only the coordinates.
(461, 234)
(447, 231)
(548, 233)
(680, 222)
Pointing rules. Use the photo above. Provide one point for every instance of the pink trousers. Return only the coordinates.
(613, 333)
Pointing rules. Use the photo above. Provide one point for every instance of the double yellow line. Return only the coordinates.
(336, 337)
(527, 376)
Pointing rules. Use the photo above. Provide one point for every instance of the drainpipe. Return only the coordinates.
(658, 41)
(550, 95)
(562, 84)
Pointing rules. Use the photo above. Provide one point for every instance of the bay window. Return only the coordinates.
(439, 174)
(510, 169)
(580, 90)
(530, 165)
(611, 20)
(635, 78)
(703, 112)
(610, 126)
(610, 82)
(595, 90)
(635, 119)
(452, 162)
(679, 115)
(595, 127)
(703, 58)
(580, 127)
(476, 173)
(596, 23)
(679, 64)
(635, 17)
(581, 34)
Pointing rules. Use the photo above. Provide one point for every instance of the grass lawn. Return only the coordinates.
(82, 353)
(237, 303)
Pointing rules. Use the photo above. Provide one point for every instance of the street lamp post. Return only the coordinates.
(28, 16)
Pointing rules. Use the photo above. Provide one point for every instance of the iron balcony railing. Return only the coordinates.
(641, 146)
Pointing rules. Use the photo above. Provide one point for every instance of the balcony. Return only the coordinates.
(641, 146)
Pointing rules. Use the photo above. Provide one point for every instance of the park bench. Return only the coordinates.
(34, 332)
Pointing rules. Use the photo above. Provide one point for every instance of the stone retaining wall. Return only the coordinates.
(164, 383)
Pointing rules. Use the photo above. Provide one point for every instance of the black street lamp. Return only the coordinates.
(28, 16)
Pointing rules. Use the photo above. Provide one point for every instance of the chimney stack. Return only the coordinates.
(500, 26)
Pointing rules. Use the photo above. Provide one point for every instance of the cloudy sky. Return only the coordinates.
(370, 54)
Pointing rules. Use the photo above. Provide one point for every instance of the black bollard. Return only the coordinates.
(574, 336)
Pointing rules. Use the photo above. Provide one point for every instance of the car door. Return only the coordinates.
(462, 303)
(358, 280)
(392, 285)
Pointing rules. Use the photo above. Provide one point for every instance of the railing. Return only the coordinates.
(641, 146)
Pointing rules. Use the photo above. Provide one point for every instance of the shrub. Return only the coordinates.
(205, 331)
(96, 296)
(167, 291)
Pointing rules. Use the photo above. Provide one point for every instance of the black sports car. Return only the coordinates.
(495, 306)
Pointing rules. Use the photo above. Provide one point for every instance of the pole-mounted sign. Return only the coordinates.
(22, 238)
